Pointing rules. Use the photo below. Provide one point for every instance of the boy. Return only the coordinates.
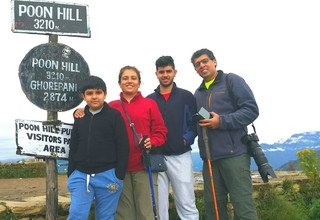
(98, 155)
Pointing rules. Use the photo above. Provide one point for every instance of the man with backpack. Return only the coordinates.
(232, 108)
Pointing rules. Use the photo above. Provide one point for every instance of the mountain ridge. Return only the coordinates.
(278, 154)
(281, 152)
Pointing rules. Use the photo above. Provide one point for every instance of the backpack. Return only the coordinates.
(254, 148)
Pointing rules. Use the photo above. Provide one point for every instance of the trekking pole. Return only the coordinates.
(206, 144)
(154, 207)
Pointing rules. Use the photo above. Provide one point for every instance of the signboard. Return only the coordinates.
(43, 17)
(50, 74)
(36, 139)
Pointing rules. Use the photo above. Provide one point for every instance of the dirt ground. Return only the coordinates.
(17, 189)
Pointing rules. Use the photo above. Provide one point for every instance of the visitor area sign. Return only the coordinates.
(50, 75)
(35, 138)
(45, 17)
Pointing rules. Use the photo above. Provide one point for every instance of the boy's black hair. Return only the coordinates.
(202, 52)
(165, 61)
(92, 82)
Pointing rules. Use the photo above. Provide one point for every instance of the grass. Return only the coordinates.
(22, 170)
(199, 203)
(272, 204)
(290, 200)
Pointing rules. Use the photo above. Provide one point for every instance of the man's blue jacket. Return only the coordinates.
(177, 114)
(236, 107)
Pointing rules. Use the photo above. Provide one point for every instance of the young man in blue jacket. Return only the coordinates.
(232, 107)
(177, 107)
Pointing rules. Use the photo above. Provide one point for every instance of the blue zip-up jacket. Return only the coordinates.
(236, 110)
(177, 115)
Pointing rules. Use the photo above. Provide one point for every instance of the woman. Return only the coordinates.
(135, 200)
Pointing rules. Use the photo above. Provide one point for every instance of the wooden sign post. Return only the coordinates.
(52, 176)
(49, 74)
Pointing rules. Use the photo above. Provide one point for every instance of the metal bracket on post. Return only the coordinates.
(53, 38)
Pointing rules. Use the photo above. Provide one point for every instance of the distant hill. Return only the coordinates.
(293, 165)
(282, 154)
(285, 151)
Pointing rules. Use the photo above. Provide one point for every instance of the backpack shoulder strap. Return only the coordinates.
(233, 98)
(230, 92)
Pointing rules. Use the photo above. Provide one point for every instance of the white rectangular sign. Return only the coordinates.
(37, 139)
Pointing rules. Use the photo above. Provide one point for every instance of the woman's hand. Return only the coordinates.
(145, 143)
(79, 113)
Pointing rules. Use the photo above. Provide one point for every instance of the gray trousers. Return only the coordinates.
(231, 178)
(180, 176)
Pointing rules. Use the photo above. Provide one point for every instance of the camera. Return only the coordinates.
(255, 150)
(201, 114)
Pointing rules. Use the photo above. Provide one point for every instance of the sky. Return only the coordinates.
(274, 45)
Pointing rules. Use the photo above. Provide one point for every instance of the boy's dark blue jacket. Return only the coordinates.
(99, 142)
(177, 114)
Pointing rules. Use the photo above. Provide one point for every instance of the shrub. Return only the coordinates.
(7, 214)
(199, 203)
(309, 162)
(314, 212)
(310, 192)
(271, 205)
(292, 193)
(22, 170)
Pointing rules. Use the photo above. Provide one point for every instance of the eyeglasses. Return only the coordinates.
(204, 61)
